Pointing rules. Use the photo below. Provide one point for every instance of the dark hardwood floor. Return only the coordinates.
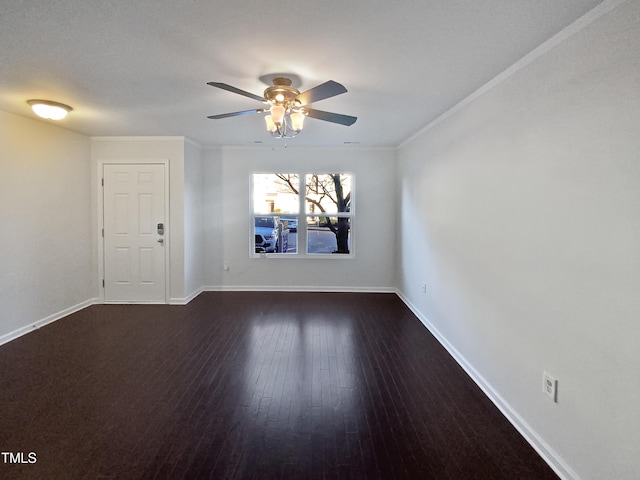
(240, 385)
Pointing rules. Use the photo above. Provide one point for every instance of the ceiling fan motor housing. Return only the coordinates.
(283, 94)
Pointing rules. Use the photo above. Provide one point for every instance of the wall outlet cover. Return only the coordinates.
(550, 386)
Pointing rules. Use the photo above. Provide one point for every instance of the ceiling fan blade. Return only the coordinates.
(331, 117)
(237, 114)
(229, 88)
(322, 91)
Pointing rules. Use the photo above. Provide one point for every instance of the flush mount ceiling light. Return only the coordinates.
(49, 110)
(287, 107)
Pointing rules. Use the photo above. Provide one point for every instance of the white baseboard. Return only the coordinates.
(263, 288)
(547, 453)
(187, 299)
(50, 319)
(296, 288)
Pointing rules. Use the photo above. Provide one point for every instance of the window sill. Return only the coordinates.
(305, 256)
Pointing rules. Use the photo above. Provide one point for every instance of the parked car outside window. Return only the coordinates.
(266, 234)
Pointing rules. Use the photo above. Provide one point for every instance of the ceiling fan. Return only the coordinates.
(288, 107)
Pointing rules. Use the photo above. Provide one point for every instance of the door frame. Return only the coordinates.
(167, 225)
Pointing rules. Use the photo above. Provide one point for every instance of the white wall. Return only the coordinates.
(194, 216)
(213, 217)
(521, 212)
(228, 172)
(132, 149)
(46, 263)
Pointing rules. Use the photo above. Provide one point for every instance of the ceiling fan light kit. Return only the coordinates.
(287, 107)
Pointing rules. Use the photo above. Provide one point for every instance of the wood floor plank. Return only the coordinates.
(244, 385)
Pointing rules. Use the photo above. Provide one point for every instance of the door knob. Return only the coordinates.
(161, 241)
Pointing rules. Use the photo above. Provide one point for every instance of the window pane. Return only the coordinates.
(275, 193)
(328, 193)
(328, 235)
(289, 234)
(271, 236)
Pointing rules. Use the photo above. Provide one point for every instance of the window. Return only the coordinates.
(325, 196)
(275, 207)
(318, 223)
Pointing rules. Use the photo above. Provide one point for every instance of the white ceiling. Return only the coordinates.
(141, 67)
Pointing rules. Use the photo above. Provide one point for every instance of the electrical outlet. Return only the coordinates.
(550, 387)
(226, 266)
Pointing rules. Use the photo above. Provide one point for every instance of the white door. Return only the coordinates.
(134, 233)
